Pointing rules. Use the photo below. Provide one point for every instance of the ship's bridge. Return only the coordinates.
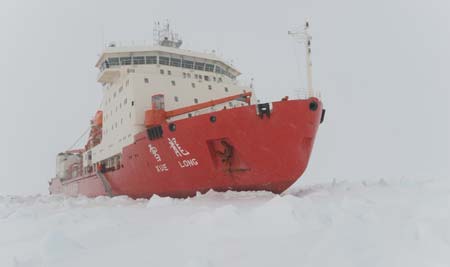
(113, 58)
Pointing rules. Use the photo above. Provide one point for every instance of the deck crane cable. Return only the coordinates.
(87, 130)
(79, 138)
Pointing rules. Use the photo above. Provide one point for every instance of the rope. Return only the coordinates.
(79, 138)
(87, 130)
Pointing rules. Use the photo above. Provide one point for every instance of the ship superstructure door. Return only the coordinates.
(158, 102)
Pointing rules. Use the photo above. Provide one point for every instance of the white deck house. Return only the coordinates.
(132, 75)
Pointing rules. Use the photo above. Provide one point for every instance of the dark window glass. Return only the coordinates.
(125, 60)
(209, 67)
(206, 78)
(146, 80)
(164, 60)
(161, 71)
(176, 98)
(195, 100)
(150, 60)
(199, 66)
(114, 61)
(218, 69)
(188, 64)
(176, 62)
(138, 60)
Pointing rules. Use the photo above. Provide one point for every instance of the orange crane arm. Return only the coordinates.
(158, 116)
(184, 110)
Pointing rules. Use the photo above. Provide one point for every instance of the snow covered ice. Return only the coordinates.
(397, 222)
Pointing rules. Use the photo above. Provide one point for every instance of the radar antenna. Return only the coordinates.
(305, 37)
(164, 36)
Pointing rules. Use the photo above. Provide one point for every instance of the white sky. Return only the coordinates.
(382, 66)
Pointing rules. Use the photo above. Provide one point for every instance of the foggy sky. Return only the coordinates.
(382, 67)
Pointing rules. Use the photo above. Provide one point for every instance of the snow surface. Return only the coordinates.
(379, 223)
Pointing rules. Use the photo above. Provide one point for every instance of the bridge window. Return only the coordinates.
(138, 60)
(114, 61)
(164, 60)
(151, 60)
(176, 62)
(209, 67)
(199, 66)
(125, 60)
(188, 64)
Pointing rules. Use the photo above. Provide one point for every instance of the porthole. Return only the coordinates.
(313, 106)
(172, 127)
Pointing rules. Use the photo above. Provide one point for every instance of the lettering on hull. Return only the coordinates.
(188, 163)
(162, 168)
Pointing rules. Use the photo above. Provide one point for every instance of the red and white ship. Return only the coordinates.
(175, 122)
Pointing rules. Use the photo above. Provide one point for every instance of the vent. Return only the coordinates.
(155, 132)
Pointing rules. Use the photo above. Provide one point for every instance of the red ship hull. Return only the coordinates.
(239, 150)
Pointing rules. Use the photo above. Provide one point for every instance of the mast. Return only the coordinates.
(163, 35)
(305, 37)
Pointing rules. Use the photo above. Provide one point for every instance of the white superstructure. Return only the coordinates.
(132, 75)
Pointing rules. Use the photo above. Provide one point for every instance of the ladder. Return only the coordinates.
(106, 184)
